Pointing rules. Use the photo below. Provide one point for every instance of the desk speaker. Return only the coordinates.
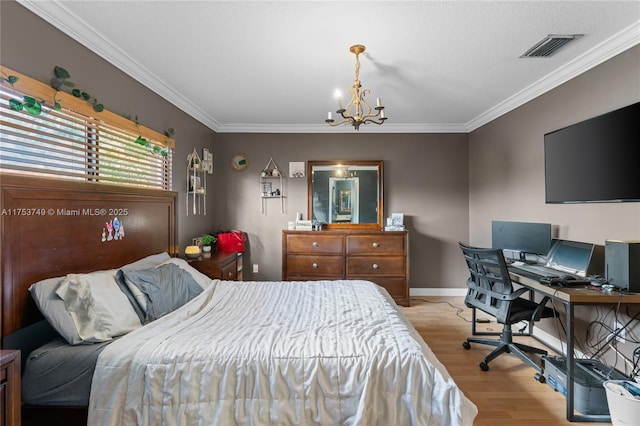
(622, 264)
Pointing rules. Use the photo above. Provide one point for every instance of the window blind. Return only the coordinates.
(77, 143)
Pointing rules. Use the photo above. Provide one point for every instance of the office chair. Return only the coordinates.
(490, 290)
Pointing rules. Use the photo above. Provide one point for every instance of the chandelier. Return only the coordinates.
(358, 111)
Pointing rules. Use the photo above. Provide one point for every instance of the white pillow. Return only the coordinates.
(99, 309)
(53, 308)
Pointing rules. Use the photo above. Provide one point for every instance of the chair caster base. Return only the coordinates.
(466, 345)
(484, 366)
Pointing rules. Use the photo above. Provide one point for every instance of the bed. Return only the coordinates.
(333, 352)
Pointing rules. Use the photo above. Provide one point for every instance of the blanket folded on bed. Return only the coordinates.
(330, 352)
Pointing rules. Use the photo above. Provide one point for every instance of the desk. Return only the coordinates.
(571, 297)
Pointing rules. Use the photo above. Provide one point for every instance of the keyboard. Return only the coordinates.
(542, 271)
(550, 276)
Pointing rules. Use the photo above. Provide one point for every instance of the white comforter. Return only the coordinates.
(284, 353)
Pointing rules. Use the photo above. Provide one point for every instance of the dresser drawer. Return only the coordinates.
(306, 265)
(376, 266)
(396, 287)
(315, 242)
(376, 244)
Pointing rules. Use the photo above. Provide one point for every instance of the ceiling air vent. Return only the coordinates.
(549, 45)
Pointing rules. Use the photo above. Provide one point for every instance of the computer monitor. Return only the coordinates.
(522, 237)
(576, 258)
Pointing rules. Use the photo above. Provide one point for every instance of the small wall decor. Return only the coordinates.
(207, 160)
(296, 169)
(239, 162)
(113, 230)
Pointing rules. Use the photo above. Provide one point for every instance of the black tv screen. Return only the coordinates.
(597, 160)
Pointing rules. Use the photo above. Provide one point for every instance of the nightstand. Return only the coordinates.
(10, 387)
(218, 264)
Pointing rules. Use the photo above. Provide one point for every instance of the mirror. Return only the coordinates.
(346, 194)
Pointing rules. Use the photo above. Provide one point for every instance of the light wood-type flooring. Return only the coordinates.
(507, 394)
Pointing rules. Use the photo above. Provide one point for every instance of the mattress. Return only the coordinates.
(60, 374)
(328, 352)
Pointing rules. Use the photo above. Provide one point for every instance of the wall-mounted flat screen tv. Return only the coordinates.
(597, 160)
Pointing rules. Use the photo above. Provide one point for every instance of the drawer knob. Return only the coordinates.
(315, 265)
(230, 274)
(376, 245)
(315, 244)
(375, 266)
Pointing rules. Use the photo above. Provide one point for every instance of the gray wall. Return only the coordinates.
(449, 186)
(507, 158)
(445, 197)
(507, 174)
(425, 177)
(33, 47)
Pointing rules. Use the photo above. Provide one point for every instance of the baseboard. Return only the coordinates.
(417, 292)
(555, 343)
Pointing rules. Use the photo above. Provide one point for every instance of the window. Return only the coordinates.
(77, 143)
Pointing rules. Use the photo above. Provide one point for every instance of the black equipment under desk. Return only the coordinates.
(570, 297)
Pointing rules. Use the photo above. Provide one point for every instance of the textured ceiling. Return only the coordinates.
(274, 66)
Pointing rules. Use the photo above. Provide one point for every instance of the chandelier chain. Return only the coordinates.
(357, 68)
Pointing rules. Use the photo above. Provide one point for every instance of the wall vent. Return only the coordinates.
(549, 45)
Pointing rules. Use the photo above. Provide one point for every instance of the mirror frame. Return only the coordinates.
(362, 226)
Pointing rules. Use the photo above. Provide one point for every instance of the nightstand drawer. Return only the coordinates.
(10, 387)
(229, 271)
(218, 265)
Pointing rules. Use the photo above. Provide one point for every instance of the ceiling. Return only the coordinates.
(274, 66)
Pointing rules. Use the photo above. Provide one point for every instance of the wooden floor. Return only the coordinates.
(505, 395)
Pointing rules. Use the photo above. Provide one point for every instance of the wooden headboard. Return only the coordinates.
(50, 228)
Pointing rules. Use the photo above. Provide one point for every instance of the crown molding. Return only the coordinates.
(616, 44)
(69, 23)
(66, 21)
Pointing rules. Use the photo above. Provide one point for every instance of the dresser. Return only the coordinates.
(218, 264)
(378, 256)
(10, 388)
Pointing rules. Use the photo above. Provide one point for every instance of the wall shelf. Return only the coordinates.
(196, 199)
(271, 185)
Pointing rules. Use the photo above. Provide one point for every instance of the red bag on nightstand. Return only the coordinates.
(231, 241)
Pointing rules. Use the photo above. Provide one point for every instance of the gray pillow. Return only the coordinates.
(166, 287)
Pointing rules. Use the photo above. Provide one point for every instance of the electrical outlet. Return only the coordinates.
(622, 333)
(255, 268)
